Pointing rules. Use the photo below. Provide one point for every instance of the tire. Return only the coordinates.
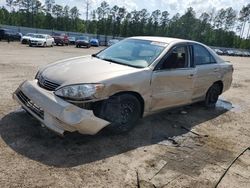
(212, 95)
(123, 111)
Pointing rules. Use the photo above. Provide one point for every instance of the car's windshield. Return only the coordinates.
(40, 36)
(29, 35)
(83, 38)
(57, 34)
(133, 52)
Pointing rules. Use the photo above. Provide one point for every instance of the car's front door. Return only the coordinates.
(172, 79)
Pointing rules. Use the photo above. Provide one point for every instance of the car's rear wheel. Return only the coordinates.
(123, 111)
(212, 95)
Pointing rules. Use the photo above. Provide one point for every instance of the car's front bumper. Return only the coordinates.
(36, 43)
(82, 43)
(56, 113)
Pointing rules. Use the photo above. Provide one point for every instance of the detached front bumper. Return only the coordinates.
(56, 113)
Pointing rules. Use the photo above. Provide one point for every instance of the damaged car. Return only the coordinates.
(121, 84)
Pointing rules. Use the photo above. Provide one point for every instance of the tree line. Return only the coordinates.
(226, 27)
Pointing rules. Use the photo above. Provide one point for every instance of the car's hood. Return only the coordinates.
(82, 41)
(85, 69)
(37, 39)
(26, 37)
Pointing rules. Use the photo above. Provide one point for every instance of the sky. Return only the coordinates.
(172, 6)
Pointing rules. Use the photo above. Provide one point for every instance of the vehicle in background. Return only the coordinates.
(10, 35)
(246, 54)
(123, 83)
(83, 41)
(61, 38)
(230, 53)
(26, 38)
(72, 40)
(218, 51)
(94, 42)
(41, 40)
(112, 41)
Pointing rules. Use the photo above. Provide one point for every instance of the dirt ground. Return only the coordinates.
(186, 147)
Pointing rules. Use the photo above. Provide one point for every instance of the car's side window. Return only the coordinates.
(178, 58)
(202, 55)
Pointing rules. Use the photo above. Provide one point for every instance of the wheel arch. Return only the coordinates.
(220, 83)
(137, 95)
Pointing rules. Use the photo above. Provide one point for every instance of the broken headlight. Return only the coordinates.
(79, 92)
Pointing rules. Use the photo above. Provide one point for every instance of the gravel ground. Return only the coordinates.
(169, 149)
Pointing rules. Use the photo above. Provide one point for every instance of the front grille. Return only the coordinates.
(48, 85)
(29, 104)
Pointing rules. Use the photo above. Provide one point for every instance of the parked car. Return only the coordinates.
(94, 42)
(218, 51)
(41, 40)
(61, 38)
(246, 54)
(129, 80)
(10, 35)
(112, 41)
(72, 40)
(231, 53)
(83, 41)
(26, 38)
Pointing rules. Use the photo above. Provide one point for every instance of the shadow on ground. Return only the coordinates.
(25, 136)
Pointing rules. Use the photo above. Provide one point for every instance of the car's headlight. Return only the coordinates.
(80, 92)
(38, 74)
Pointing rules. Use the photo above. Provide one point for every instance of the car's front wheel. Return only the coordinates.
(212, 95)
(123, 111)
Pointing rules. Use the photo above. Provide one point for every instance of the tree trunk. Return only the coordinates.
(248, 32)
(243, 29)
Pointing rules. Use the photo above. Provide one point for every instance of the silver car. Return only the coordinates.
(129, 80)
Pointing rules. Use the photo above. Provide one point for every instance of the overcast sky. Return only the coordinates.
(172, 6)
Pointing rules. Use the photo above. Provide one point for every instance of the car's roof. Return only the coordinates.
(161, 39)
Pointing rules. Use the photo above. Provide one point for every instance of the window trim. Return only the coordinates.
(187, 46)
(209, 63)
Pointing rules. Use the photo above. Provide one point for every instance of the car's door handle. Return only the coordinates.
(216, 69)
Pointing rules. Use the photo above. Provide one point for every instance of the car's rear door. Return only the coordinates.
(208, 71)
(172, 79)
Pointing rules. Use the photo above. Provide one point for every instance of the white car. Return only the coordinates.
(41, 40)
(112, 41)
(25, 39)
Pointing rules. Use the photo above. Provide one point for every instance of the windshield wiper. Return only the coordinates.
(111, 60)
(120, 63)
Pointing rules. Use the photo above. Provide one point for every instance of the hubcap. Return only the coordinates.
(126, 110)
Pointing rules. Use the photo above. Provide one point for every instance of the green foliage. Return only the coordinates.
(222, 28)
